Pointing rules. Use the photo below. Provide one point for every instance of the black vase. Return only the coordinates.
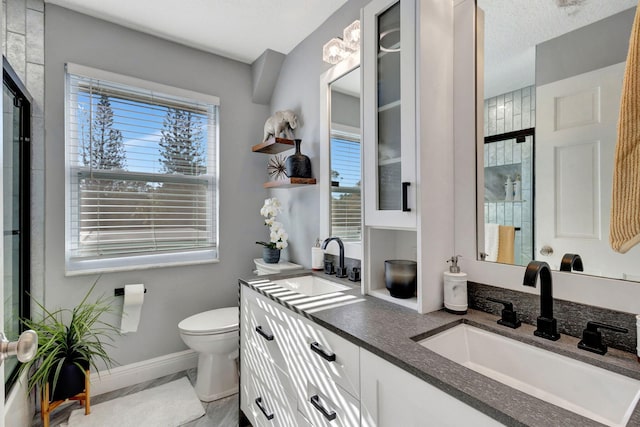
(70, 381)
(400, 277)
(298, 165)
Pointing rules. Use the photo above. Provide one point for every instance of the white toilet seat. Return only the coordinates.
(212, 322)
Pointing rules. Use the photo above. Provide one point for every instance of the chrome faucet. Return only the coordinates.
(571, 262)
(341, 271)
(547, 325)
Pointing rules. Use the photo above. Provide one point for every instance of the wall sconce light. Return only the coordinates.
(334, 51)
(351, 36)
(337, 49)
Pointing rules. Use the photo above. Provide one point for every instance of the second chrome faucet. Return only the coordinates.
(547, 325)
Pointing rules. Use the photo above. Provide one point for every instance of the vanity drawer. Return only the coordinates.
(264, 327)
(324, 403)
(265, 407)
(267, 372)
(329, 355)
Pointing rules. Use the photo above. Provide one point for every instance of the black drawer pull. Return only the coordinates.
(266, 335)
(315, 401)
(263, 409)
(329, 357)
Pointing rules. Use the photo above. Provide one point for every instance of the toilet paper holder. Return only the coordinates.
(118, 292)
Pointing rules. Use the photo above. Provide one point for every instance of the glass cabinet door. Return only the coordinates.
(389, 113)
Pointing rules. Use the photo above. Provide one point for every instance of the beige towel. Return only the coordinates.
(625, 203)
(507, 235)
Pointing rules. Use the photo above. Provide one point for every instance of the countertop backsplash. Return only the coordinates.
(572, 317)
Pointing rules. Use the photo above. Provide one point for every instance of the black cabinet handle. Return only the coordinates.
(267, 336)
(405, 206)
(329, 415)
(263, 409)
(316, 348)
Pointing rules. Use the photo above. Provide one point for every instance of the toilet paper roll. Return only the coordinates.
(133, 299)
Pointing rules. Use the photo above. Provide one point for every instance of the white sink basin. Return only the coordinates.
(592, 392)
(310, 285)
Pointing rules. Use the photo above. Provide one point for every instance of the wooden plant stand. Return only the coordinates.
(84, 398)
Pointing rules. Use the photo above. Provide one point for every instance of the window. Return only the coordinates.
(141, 162)
(346, 212)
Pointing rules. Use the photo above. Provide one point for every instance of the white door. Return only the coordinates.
(576, 130)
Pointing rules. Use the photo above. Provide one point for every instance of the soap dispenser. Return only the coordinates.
(455, 288)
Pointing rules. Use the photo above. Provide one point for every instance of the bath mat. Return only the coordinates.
(168, 405)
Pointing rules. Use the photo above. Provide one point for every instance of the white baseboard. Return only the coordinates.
(146, 370)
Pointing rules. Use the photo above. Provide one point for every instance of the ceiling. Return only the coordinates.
(237, 29)
(513, 28)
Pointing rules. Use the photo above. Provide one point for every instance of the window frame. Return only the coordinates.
(123, 262)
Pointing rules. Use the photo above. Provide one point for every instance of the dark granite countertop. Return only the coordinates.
(392, 331)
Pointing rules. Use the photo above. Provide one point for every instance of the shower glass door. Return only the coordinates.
(16, 195)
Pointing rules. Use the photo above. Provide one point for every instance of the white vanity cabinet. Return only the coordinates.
(389, 108)
(337, 384)
(293, 371)
(392, 397)
(267, 392)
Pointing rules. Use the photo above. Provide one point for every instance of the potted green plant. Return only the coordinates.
(70, 342)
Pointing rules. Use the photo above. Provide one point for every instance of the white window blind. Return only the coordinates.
(346, 201)
(141, 169)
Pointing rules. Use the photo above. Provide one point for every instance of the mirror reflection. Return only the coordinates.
(553, 75)
(345, 148)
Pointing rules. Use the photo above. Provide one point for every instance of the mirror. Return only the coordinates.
(552, 82)
(340, 156)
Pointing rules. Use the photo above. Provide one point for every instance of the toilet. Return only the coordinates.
(214, 335)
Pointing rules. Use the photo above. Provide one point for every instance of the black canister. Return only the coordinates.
(298, 165)
(400, 277)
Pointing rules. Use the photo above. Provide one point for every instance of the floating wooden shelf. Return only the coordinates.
(273, 146)
(289, 182)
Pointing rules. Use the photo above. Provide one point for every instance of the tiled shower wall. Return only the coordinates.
(507, 113)
(23, 45)
(510, 111)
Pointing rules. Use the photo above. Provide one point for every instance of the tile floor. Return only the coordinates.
(221, 413)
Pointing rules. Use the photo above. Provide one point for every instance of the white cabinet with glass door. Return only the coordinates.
(389, 141)
(389, 104)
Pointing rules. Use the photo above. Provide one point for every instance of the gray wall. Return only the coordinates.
(589, 48)
(298, 89)
(177, 292)
(345, 109)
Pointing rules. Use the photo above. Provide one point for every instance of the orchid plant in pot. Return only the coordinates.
(277, 234)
